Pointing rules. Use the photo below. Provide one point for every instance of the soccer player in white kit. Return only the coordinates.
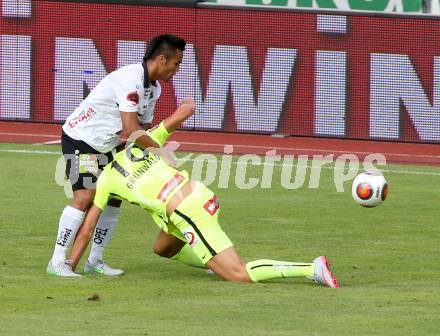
(123, 101)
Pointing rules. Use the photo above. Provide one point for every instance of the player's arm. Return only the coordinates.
(161, 132)
(84, 234)
(131, 126)
(183, 112)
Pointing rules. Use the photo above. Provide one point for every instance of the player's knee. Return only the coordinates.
(237, 273)
(158, 250)
(162, 251)
(83, 199)
(167, 246)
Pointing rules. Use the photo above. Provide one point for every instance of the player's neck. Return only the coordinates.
(152, 71)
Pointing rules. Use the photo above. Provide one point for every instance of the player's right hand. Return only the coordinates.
(187, 108)
(190, 103)
(184, 111)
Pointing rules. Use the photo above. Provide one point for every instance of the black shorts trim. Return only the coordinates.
(72, 149)
(194, 226)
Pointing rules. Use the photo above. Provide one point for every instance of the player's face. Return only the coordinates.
(170, 65)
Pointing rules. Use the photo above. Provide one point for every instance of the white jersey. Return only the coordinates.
(97, 120)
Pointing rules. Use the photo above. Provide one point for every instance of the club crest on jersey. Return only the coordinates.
(148, 93)
(191, 237)
(133, 97)
(212, 205)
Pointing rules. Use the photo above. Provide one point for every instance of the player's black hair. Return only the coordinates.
(164, 45)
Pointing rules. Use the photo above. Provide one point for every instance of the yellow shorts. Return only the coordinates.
(195, 221)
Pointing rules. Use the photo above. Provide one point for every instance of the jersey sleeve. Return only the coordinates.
(159, 134)
(127, 95)
(102, 191)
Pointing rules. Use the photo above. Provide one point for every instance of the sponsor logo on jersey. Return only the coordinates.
(88, 163)
(169, 187)
(82, 117)
(133, 97)
(191, 237)
(212, 205)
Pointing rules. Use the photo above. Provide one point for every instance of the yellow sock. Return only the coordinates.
(265, 269)
(187, 256)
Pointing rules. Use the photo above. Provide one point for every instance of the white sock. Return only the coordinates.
(70, 221)
(103, 233)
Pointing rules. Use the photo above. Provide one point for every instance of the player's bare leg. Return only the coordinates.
(83, 199)
(228, 266)
(167, 245)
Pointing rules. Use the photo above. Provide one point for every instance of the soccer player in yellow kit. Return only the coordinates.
(187, 213)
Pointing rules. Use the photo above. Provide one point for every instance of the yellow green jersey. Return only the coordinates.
(141, 177)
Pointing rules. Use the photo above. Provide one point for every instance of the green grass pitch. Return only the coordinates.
(386, 259)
